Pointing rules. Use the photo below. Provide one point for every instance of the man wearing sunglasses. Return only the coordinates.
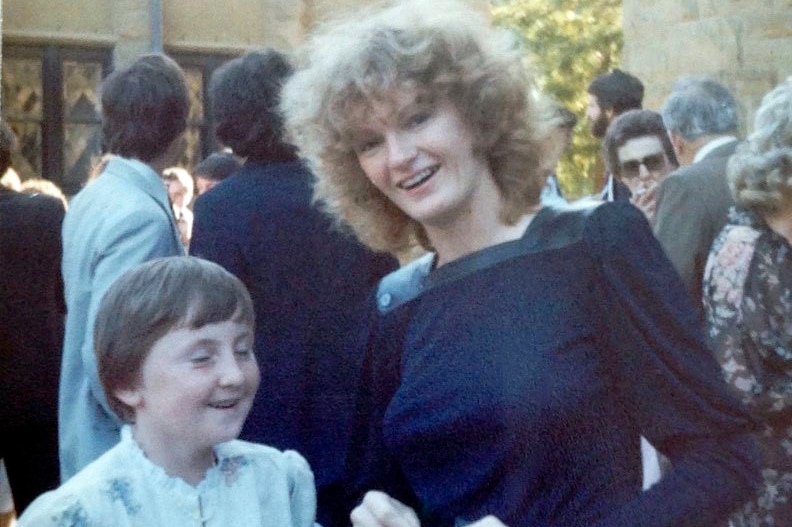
(639, 154)
(693, 202)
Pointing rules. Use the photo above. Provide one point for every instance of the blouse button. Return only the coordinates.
(385, 299)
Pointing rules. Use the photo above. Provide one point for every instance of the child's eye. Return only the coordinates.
(201, 357)
(245, 353)
(199, 360)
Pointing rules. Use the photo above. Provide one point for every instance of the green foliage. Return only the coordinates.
(569, 43)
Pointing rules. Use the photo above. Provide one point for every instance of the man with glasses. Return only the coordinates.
(693, 202)
(639, 154)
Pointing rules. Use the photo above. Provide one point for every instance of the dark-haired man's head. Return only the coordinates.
(144, 108)
(214, 169)
(245, 93)
(610, 95)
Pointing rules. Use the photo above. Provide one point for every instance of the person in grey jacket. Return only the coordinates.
(119, 220)
(693, 201)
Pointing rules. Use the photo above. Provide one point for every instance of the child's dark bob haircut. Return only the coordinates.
(148, 301)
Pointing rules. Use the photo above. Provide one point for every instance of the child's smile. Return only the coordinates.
(195, 391)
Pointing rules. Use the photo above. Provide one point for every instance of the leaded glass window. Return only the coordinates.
(82, 123)
(22, 108)
(50, 100)
(193, 152)
(198, 69)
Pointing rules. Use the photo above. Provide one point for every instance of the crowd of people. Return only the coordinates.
(273, 353)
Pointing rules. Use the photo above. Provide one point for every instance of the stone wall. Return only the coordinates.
(746, 44)
(205, 26)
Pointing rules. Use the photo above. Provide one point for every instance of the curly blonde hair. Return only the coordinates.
(760, 171)
(435, 49)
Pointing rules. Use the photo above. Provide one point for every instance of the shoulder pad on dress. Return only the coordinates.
(404, 284)
(560, 226)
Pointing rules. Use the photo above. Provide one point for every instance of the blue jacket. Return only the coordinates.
(118, 221)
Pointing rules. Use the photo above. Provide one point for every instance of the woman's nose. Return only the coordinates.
(401, 150)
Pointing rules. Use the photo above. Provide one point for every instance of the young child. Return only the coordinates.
(173, 341)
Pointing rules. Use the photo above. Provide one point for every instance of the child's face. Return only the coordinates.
(196, 389)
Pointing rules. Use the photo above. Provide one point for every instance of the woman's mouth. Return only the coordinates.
(419, 178)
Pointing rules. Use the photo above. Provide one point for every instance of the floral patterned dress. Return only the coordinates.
(748, 300)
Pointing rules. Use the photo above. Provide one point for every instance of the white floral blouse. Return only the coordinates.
(748, 301)
(251, 485)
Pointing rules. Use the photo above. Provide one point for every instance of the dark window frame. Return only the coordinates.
(53, 121)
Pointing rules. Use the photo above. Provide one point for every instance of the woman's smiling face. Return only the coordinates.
(421, 155)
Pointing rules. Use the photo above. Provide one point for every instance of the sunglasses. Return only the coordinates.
(632, 168)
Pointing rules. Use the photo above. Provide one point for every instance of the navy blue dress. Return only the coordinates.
(516, 382)
(309, 283)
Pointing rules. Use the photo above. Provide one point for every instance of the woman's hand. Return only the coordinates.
(380, 510)
(645, 200)
(488, 521)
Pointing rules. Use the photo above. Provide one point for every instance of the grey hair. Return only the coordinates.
(699, 106)
(760, 172)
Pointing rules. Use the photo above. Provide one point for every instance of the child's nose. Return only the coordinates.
(230, 371)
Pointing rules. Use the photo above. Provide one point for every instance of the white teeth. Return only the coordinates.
(418, 178)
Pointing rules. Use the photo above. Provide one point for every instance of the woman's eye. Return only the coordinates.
(367, 145)
(418, 118)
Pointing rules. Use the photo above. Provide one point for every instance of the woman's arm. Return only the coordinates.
(669, 381)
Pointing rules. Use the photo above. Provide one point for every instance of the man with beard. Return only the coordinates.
(610, 95)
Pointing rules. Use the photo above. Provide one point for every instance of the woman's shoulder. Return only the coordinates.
(555, 226)
(591, 221)
(734, 246)
(404, 284)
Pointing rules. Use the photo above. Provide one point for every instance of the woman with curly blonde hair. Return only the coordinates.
(748, 299)
(353, 74)
(511, 370)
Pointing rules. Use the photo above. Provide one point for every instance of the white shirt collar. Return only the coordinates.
(712, 145)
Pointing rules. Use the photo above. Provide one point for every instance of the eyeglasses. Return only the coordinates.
(632, 168)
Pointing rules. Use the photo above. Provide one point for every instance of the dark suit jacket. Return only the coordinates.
(31, 308)
(692, 207)
(308, 282)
